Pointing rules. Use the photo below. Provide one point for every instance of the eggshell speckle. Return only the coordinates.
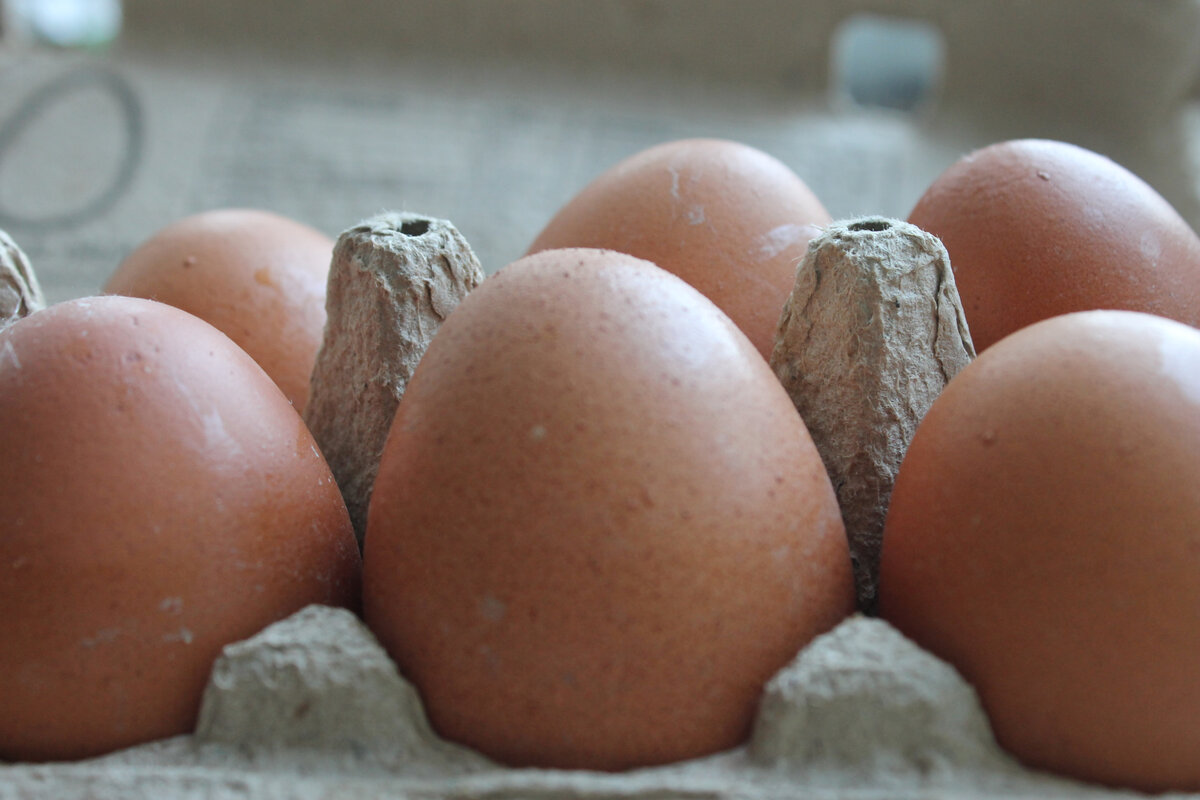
(256, 276)
(1044, 537)
(161, 499)
(599, 525)
(728, 218)
(1038, 228)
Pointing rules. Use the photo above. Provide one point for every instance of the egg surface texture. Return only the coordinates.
(1044, 537)
(1037, 228)
(161, 499)
(258, 277)
(729, 219)
(599, 525)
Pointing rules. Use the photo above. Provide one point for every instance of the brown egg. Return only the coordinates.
(161, 499)
(729, 219)
(1044, 537)
(258, 277)
(1038, 228)
(599, 525)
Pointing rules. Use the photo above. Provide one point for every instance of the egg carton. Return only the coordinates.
(313, 707)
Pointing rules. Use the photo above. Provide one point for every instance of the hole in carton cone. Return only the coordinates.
(870, 225)
(415, 227)
(887, 62)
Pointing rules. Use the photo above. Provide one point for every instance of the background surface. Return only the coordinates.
(493, 114)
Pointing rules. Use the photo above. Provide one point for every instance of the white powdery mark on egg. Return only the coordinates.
(779, 238)
(537, 432)
(171, 605)
(212, 425)
(695, 215)
(10, 353)
(215, 434)
(1095, 218)
(182, 635)
(1151, 247)
(492, 608)
(491, 660)
(1179, 363)
(102, 636)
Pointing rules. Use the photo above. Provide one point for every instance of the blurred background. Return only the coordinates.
(118, 117)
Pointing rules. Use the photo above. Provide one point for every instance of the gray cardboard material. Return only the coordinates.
(313, 708)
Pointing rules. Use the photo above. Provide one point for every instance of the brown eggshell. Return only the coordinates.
(258, 277)
(599, 525)
(161, 499)
(1037, 228)
(729, 219)
(1044, 537)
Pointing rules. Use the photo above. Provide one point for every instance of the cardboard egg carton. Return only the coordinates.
(492, 115)
(313, 707)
